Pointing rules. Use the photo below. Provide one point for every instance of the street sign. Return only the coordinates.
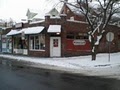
(110, 36)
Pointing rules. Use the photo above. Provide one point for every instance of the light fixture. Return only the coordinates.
(58, 33)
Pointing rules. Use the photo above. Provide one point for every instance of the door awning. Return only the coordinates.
(54, 29)
(30, 30)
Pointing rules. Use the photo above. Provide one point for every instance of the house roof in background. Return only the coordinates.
(75, 10)
(54, 11)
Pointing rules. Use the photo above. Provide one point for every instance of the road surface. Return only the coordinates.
(27, 78)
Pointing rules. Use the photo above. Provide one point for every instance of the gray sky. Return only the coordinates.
(16, 9)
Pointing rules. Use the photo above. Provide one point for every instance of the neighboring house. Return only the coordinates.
(0, 38)
(38, 16)
(30, 14)
(53, 12)
(6, 41)
(72, 12)
(2, 27)
(59, 36)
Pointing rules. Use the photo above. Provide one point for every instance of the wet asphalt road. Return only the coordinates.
(26, 78)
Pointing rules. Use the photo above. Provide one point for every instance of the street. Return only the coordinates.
(27, 78)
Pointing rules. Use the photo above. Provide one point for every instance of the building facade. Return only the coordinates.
(59, 36)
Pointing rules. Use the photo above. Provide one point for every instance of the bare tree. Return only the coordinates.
(98, 14)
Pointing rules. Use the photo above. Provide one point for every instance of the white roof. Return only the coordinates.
(12, 32)
(30, 30)
(54, 29)
(75, 10)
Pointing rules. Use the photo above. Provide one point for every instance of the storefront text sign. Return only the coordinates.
(17, 25)
(79, 42)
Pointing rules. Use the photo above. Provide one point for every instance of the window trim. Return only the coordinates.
(31, 47)
(84, 36)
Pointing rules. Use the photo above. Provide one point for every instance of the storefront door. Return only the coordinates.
(55, 46)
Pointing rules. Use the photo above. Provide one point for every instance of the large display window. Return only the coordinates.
(37, 42)
(19, 43)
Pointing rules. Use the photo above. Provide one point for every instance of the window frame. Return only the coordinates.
(77, 36)
(32, 42)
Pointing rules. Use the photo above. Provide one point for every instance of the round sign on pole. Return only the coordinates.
(110, 36)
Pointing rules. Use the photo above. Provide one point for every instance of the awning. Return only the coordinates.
(12, 32)
(30, 30)
(54, 29)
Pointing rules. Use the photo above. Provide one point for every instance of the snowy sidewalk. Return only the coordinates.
(82, 64)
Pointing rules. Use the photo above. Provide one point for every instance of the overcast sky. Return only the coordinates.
(16, 9)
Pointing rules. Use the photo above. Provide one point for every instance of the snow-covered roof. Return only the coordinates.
(30, 30)
(74, 9)
(35, 22)
(30, 14)
(54, 29)
(12, 32)
(53, 12)
(94, 4)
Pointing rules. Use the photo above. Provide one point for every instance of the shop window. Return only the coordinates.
(70, 36)
(77, 36)
(19, 43)
(37, 42)
(81, 37)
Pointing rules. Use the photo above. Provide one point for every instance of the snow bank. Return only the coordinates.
(101, 66)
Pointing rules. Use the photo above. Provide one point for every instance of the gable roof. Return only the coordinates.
(72, 8)
(75, 10)
(53, 12)
(30, 14)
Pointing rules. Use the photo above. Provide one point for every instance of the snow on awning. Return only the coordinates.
(32, 30)
(54, 29)
(12, 32)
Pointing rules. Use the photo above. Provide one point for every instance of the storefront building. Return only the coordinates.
(57, 36)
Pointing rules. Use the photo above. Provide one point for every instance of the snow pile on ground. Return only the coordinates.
(102, 66)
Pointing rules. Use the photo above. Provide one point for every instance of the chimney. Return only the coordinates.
(47, 17)
(63, 17)
(65, 6)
